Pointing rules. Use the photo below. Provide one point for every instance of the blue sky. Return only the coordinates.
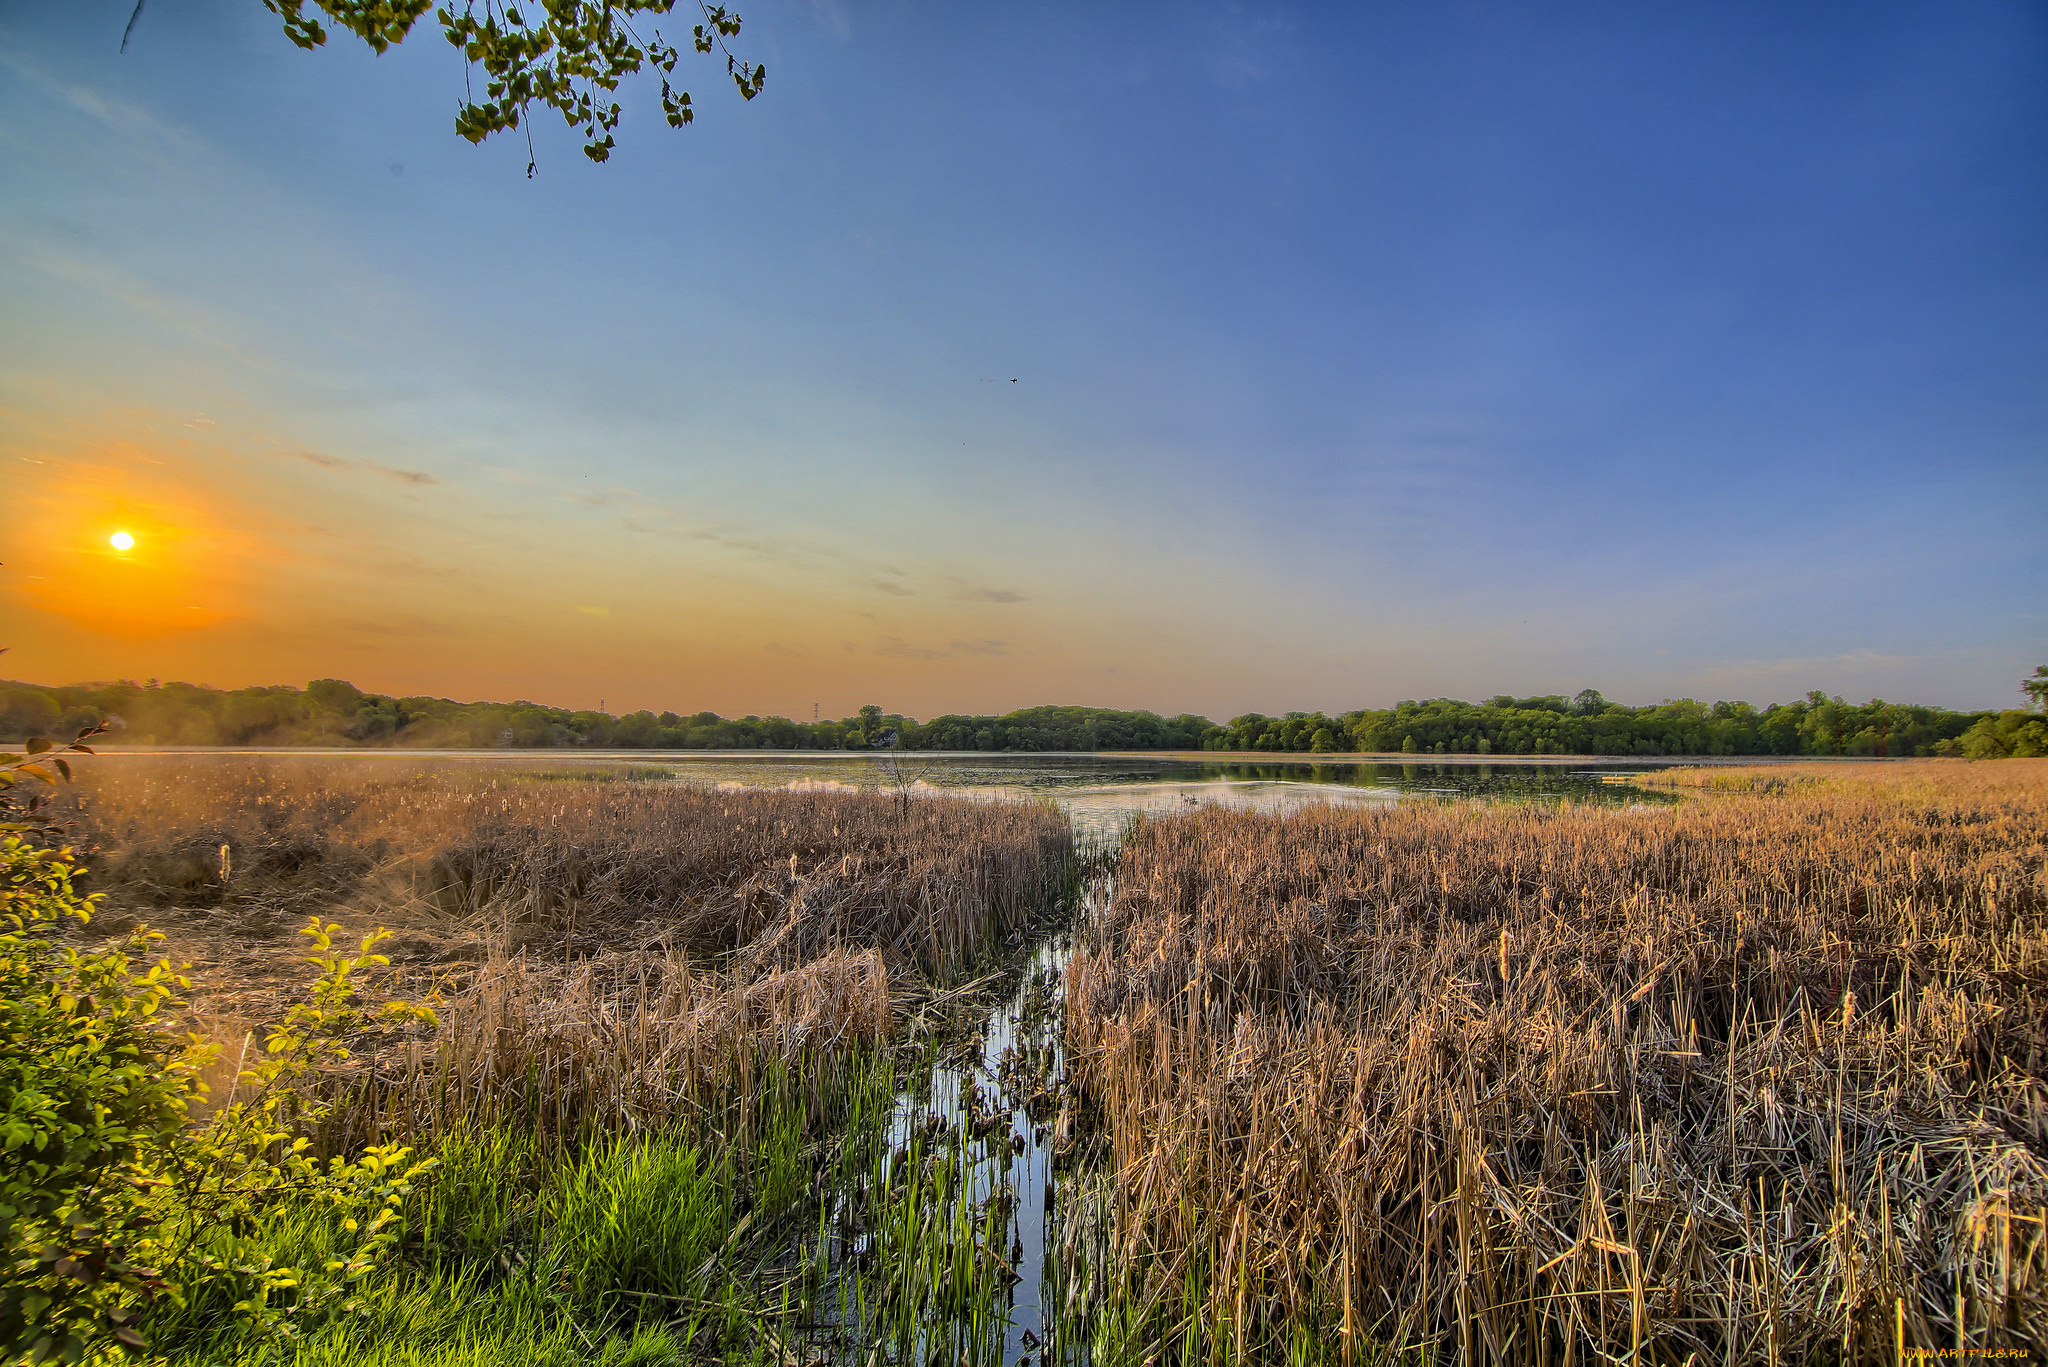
(1359, 353)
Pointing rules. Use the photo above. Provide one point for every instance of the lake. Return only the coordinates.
(1101, 793)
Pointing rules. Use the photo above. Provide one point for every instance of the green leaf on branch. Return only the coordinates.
(557, 56)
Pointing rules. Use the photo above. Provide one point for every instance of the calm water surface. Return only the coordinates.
(1101, 793)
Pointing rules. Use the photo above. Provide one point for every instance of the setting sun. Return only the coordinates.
(121, 541)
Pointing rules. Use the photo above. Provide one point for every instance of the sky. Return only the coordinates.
(1192, 357)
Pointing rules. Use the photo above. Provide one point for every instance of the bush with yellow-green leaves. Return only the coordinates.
(114, 1192)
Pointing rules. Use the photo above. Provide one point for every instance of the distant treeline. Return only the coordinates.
(331, 712)
(1062, 728)
(1584, 725)
(1590, 725)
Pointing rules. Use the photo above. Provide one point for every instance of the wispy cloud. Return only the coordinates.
(339, 466)
(402, 476)
(129, 121)
(1867, 667)
(1246, 48)
(992, 596)
(200, 324)
(832, 17)
(896, 648)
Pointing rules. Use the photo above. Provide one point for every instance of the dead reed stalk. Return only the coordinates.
(626, 1041)
(538, 857)
(607, 950)
(1756, 1078)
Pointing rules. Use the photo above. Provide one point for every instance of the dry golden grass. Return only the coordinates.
(606, 950)
(1755, 1077)
(1938, 781)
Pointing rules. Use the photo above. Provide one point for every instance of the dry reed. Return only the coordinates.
(608, 951)
(249, 845)
(1752, 1078)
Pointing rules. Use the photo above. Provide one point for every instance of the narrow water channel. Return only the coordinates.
(972, 1154)
(999, 1092)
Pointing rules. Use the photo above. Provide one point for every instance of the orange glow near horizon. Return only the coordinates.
(119, 544)
(247, 561)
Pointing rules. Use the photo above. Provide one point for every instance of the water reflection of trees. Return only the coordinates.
(1464, 780)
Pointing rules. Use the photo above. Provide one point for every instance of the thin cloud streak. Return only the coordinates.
(336, 463)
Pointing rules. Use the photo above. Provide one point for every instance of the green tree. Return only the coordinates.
(870, 727)
(566, 55)
(2012, 734)
(2036, 688)
(336, 696)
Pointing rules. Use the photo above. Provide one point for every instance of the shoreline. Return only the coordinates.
(1463, 759)
(1467, 758)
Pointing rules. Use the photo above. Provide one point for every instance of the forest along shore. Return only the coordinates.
(333, 712)
(1751, 1074)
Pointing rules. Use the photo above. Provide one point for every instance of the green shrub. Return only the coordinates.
(90, 1088)
(119, 1209)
